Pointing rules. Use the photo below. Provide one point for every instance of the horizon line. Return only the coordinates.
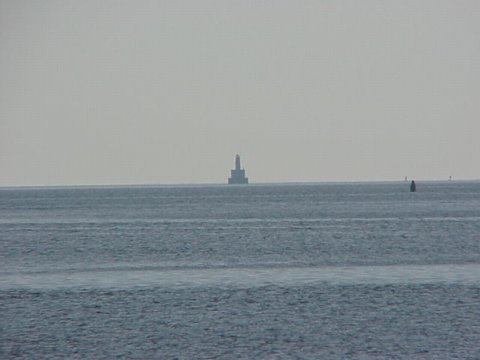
(292, 182)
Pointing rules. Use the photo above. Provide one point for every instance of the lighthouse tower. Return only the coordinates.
(237, 175)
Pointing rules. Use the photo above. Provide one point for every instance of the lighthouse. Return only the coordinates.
(237, 175)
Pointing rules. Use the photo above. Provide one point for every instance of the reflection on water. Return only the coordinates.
(465, 274)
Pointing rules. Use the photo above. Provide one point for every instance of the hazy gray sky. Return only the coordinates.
(121, 92)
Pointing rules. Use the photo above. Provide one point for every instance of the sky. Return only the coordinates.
(167, 92)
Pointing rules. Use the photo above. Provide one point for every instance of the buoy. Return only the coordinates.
(413, 186)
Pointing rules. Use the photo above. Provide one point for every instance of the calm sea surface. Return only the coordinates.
(327, 271)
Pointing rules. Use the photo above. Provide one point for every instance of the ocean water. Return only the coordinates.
(305, 271)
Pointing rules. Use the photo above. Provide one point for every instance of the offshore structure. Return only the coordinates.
(237, 175)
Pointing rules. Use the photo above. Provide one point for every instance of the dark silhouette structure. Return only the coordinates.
(237, 175)
(413, 186)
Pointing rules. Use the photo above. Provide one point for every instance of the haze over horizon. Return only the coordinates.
(155, 92)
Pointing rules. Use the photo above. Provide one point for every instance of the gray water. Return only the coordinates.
(325, 271)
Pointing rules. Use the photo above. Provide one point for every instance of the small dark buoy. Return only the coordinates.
(413, 186)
